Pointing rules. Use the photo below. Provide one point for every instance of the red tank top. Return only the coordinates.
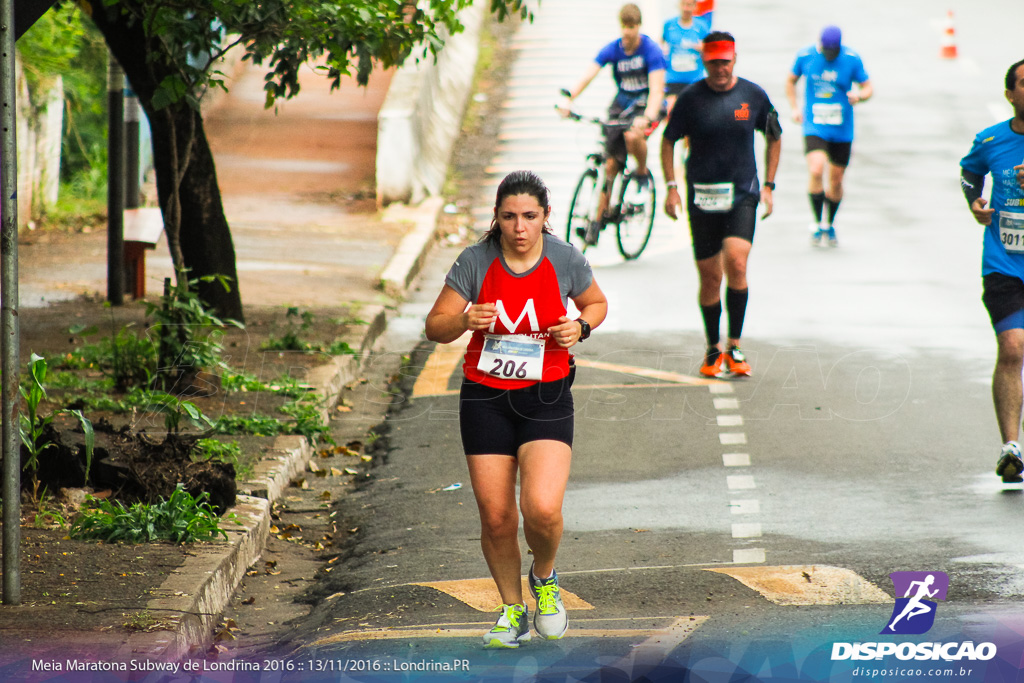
(527, 305)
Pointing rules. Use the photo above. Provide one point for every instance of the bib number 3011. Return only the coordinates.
(1011, 231)
(512, 357)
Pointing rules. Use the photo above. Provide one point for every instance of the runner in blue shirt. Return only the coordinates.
(682, 37)
(639, 69)
(831, 70)
(999, 151)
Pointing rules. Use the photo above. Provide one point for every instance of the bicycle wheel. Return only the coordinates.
(636, 220)
(581, 211)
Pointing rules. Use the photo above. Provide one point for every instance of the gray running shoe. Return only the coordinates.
(511, 629)
(1010, 465)
(551, 620)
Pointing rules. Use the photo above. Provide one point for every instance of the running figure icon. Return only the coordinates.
(915, 606)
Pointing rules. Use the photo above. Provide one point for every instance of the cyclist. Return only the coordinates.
(682, 37)
(511, 290)
(831, 70)
(638, 68)
(719, 115)
(999, 151)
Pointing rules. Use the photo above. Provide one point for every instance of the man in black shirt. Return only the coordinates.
(719, 116)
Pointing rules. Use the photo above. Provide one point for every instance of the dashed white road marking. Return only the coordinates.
(740, 482)
(732, 438)
(730, 420)
(746, 530)
(736, 459)
(726, 403)
(748, 556)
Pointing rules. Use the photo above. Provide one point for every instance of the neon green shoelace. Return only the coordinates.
(511, 614)
(546, 599)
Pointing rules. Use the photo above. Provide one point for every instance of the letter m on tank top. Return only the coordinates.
(529, 312)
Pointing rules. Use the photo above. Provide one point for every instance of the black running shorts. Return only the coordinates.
(838, 152)
(499, 421)
(1003, 297)
(709, 229)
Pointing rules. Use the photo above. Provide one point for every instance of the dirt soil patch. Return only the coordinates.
(105, 587)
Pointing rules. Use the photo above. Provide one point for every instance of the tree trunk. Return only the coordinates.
(184, 166)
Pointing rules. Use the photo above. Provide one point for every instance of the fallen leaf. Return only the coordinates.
(250, 600)
(335, 472)
(322, 474)
(270, 563)
(224, 634)
(326, 495)
(351, 470)
(344, 409)
(312, 466)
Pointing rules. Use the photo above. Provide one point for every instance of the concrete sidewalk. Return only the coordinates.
(297, 187)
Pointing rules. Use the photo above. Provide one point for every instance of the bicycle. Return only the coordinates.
(633, 219)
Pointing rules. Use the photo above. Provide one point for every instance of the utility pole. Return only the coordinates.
(132, 112)
(115, 182)
(9, 327)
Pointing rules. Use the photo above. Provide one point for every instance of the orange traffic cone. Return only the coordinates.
(949, 38)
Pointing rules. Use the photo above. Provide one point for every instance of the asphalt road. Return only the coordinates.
(738, 525)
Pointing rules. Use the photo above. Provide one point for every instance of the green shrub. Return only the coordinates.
(179, 519)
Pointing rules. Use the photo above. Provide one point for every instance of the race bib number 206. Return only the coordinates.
(512, 356)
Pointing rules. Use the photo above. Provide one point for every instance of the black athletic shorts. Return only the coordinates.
(838, 152)
(709, 229)
(615, 135)
(1004, 300)
(499, 421)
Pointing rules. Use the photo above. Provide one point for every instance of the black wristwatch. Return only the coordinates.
(770, 185)
(584, 329)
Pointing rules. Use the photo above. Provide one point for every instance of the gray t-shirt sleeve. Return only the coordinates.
(466, 276)
(571, 267)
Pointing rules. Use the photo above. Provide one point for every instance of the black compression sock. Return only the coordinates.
(736, 304)
(832, 208)
(712, 316)
(817, 204)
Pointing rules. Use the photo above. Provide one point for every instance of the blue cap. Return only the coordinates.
(831, 38)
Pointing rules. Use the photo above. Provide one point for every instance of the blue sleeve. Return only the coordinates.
(607, 53)
(665, 29)
(703, 25)
(653, 56)
(798, 65)
(860, 74)
(976, 161)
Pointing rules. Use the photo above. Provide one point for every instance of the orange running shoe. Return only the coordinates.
(712, 363)
(738, 364)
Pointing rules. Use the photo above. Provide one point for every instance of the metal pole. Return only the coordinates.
(9, 330)
(115, 183)
(132, 111)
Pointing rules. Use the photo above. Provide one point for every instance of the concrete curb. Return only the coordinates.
(412, 251)
(193, 597)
